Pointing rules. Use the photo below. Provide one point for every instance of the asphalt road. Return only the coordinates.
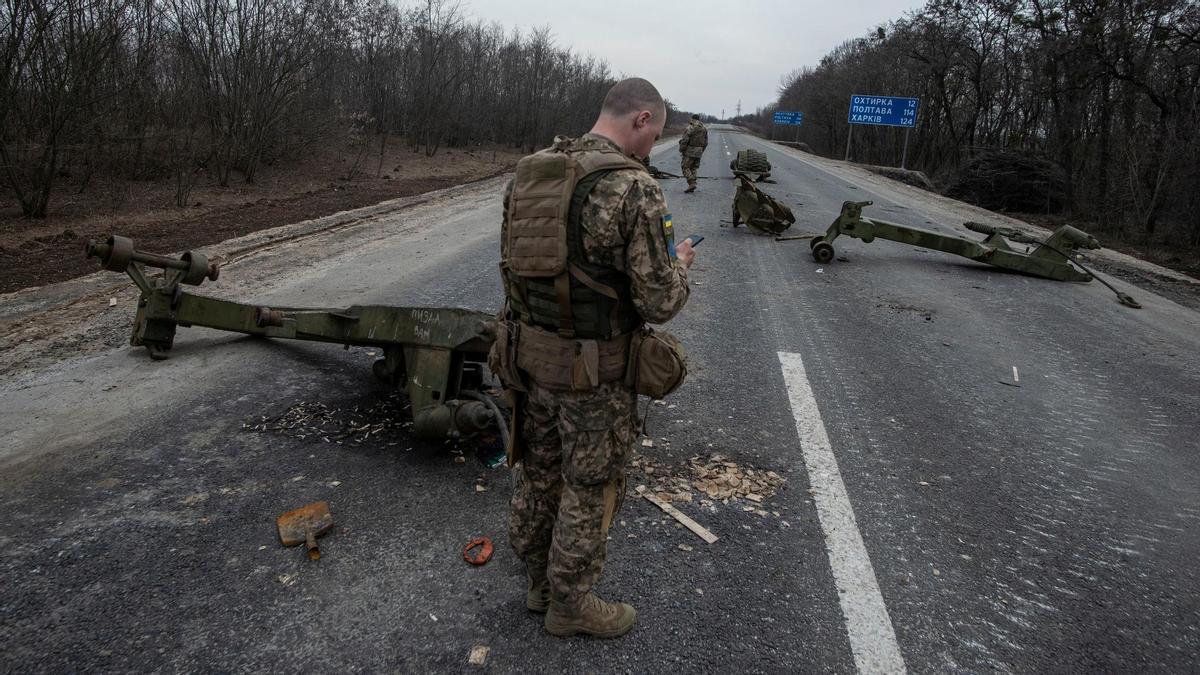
(936, 517)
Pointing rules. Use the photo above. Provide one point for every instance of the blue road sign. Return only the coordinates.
(790, 118)
(889, 111)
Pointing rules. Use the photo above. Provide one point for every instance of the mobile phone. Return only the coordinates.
(694, 239)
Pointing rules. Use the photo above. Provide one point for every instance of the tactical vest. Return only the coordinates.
(548, 281)
(699, 137)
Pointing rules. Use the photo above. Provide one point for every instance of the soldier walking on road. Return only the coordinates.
(587, 258)
(691, 147)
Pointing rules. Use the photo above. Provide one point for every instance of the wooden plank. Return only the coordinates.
(690, 524)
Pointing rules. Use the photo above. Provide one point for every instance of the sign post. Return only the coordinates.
(887, 111)
(787, 118)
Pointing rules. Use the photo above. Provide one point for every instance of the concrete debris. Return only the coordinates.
(715, 477)
(479, 654)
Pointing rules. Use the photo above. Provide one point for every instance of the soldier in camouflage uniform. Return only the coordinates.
(575, 443)
(691, 148)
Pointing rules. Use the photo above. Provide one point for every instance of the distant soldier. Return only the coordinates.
(691, 147)
(587, 258)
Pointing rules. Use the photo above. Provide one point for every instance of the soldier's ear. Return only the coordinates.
(642, 119)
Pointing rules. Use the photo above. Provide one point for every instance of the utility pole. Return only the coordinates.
(722, 113)
(739, 108)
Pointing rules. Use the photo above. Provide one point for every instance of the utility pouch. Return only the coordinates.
(585, 366)
(537, 230)
(657, 363)
(502, 357)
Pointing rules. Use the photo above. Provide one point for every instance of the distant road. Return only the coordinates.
(985, 471)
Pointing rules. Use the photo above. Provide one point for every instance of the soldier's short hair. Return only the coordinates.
(633, 94)
(695, 116)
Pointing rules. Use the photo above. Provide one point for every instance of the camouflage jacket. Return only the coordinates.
(694, 139)
(626, 226)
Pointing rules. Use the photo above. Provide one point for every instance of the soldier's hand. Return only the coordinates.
(685, 253)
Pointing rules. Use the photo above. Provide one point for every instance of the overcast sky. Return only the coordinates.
(703, 55)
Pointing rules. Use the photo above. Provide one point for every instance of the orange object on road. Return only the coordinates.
(481, 556)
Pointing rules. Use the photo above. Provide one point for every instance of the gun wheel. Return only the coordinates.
(822, 252)
(752, 161)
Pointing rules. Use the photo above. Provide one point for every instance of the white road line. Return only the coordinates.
(872, 638)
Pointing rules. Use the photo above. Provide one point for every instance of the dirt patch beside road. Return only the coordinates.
(35, 253)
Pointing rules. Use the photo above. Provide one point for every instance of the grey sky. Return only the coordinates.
(702, 54)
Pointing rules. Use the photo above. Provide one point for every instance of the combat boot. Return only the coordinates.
(592, 616)
(537, 597)
(691, 186)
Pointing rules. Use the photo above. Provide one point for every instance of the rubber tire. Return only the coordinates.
(753, 161)
(823, 252)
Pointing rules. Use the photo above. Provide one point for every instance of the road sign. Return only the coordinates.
(789, 118)
(889, 111)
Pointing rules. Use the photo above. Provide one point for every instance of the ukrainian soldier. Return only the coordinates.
(691, 147)
(587, 258)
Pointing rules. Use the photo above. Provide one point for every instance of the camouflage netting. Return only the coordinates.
(1001, 180)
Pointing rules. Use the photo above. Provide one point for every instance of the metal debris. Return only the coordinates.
(383, 420)
(480, 556)
(304, 525)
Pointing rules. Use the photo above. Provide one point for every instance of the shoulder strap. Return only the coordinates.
(591, 162)
(593, 167)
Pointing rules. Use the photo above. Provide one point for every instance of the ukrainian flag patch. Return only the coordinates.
(669, 234)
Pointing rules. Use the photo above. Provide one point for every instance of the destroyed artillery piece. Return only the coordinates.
(760, 212)
(656, 172)
(436, 355)
(1051, 259)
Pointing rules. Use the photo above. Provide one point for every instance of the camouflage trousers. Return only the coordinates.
(689, 165)
(570, 483)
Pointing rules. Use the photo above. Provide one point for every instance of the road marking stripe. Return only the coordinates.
(872, 638)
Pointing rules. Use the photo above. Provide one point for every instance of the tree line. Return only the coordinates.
(1105, 91)
(145, 89)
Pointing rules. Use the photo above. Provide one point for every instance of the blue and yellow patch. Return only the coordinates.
(669, 234)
